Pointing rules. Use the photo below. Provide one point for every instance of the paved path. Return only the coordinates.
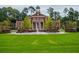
(38, 33)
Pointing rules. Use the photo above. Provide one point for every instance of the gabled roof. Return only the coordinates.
(38, 14)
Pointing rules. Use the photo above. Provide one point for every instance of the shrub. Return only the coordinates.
(71, 26)
(5, 26)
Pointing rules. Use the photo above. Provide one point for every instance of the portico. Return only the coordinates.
(38, 20)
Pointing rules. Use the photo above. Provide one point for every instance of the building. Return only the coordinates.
(37, 21)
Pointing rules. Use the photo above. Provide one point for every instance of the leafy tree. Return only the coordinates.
(76, 15)
(50, 12)
(6, 24)
(26, 23)
(10, 13)
(72, 16)
(65, 11)
(24, 13)
(32, 9)
(3, 13)
(56, 15)
(48, 23)
(1, 16)
(53, 14)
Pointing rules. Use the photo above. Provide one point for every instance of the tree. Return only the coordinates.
(10, 13)
(32, 9)
(48, 23)
(72, 16)
(3, 13)
(65, 11)
(76, 15)
(50, 12)
(64, 19)
(6, 24)
(70, 13)
(16, 14)
(56, 15)
(26, 23)
(1, 16)
(24, 13)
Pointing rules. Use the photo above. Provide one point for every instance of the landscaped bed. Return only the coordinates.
(40, 43)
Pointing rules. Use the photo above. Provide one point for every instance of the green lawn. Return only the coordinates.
(40, 43)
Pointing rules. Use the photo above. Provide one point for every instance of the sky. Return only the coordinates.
(44, 8)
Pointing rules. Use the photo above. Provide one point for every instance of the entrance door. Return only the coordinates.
(37, 25)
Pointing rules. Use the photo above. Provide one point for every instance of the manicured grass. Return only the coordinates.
(40, 43)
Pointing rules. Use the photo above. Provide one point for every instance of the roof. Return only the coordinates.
(19, 20)
(38, 14)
